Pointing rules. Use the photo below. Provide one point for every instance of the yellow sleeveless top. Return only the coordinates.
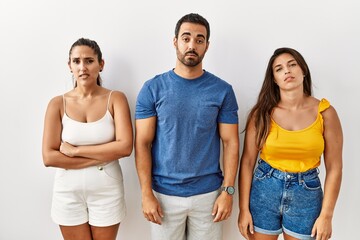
(295, 151)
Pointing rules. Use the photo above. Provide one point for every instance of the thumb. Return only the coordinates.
(160, 211)
(313, 231)
(251, 228)
(214, 210)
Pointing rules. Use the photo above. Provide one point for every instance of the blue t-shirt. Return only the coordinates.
(186, 147)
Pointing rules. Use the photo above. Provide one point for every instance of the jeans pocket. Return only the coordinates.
(312, 184)
(259, 173)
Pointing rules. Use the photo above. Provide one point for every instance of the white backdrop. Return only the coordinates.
(136, 39)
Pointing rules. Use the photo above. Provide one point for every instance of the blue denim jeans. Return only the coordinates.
(282, 201)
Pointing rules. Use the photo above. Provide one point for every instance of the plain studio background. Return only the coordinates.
(136, 39)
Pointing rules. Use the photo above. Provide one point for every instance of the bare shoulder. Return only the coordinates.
(55, 108)
(56, 102)
(329, 113)
(118, 97)
(331, 120)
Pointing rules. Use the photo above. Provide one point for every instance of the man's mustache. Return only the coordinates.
(192, 52)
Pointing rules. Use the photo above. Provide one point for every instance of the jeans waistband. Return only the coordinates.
(288, 176)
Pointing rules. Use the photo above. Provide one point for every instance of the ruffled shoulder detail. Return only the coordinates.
(323, 105)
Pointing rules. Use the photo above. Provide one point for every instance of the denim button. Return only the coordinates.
(288, 176)
(100, 168)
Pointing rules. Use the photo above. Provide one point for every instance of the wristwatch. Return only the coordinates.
(230, 190)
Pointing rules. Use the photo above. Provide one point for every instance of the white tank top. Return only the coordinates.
(79, 133)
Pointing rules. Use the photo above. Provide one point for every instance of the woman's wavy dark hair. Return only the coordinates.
(94, 46)
(269, 95)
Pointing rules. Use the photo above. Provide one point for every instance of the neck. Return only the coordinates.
(188, 72)
(292, 100)
(87, 91)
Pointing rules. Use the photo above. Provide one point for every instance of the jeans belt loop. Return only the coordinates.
(269, 174)
(300, 178)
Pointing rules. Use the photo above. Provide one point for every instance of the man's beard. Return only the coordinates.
(190, 61)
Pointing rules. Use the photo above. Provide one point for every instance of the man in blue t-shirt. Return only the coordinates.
(182, 116)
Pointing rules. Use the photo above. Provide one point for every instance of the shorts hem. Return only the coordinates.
(298, 235)
(69, 223)
(111, 222)
(268, 232)
(108, 223)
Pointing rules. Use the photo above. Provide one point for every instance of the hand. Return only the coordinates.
(68, 149)
(222, 207)
(245, 224)
(322, 228)
(151, 209)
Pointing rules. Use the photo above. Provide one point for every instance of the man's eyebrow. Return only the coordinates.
(186, 33)
(189, 34)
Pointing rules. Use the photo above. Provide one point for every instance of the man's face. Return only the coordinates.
(191, 44)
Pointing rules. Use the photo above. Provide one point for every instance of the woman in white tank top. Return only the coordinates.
(86, 131)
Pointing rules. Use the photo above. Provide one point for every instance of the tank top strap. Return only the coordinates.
(323, 105)
(64, 103)
(108, 102)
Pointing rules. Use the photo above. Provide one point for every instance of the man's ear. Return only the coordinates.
(207, 45)
(175, 42)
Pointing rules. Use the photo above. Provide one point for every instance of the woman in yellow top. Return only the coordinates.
(290, 130)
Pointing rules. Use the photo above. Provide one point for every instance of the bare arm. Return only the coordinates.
(120, 147)
(144, 136)
(52, 157)
(333, 164)
(247, 164)
(229, 135)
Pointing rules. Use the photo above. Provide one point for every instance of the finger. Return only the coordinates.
(156, 217)
(251, 228)
(147, 217)
(313, 232)
(244, 232)
(160, 211)
(318, 236)
(215, 209)
(218, 217)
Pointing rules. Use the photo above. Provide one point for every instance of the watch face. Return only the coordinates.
(230, 190)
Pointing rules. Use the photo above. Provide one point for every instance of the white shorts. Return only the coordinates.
(187, 218)
(93, 194)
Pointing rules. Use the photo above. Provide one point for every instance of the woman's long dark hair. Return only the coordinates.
(269, 95)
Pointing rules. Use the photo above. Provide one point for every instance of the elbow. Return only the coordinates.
(124, 151)
(128, 150)
(48, 159)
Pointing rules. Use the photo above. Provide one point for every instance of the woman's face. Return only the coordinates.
(287, 72)
(84, 64)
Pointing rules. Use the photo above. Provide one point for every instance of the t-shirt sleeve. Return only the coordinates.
(145, 104)
(229, 109)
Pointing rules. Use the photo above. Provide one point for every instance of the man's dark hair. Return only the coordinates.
(193, 18)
